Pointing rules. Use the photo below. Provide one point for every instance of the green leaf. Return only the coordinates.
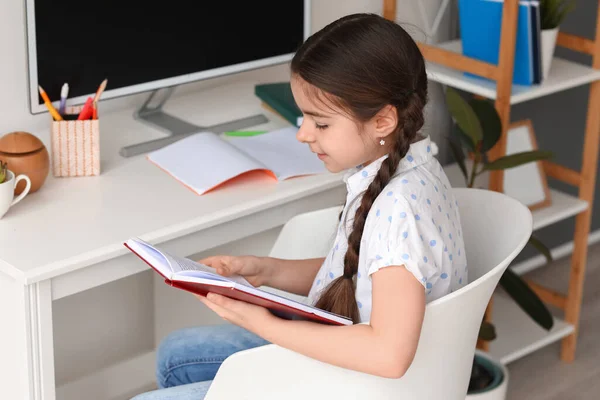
(563, 13)
(3, 170)
(514, 160)
(463, 137)
(553, 12)
(526, 298)
(464, 115)
(487, 331)
(459, 157)
(490, 123)
(541, 247)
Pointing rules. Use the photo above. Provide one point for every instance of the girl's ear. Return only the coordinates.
(385, 122)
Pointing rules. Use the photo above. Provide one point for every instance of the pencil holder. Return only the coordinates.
(75, 145)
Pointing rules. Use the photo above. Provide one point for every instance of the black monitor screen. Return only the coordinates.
(130, 42)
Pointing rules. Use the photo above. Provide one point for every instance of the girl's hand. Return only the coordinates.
(254, 269)
(248, 316)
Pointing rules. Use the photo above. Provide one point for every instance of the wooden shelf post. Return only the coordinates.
(589, 166)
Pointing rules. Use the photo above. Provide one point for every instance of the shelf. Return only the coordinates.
(563, 75)
(517, 334)
(563, 205)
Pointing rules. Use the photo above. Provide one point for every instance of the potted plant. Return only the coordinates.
(478, 128)
(552, 14)
(3, 171)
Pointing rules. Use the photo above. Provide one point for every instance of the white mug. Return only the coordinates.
(7, 191)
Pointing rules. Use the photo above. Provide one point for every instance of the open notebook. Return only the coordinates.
(194, 277)
(205, 160)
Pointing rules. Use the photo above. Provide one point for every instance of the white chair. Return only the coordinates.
(495, 228)
(308, 235)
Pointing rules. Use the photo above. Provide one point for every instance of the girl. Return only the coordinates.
(362, 86)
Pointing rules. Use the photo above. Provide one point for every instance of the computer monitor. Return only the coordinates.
(145, 46)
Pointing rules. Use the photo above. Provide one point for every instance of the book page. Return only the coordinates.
(203, 161)
(279, 305)
(151, 255)
(281, 152)
(180, 266)
(185, 267)
(295, 304)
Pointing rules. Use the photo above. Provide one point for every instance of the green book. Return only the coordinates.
(278, 96)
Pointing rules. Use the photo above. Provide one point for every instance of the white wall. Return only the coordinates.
(129, 325)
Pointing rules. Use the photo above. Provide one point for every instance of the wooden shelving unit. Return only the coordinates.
(517, 334)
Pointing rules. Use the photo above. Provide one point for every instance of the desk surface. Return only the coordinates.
(74, 222)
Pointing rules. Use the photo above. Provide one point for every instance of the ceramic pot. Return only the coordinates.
(25, 154)
(498, 388)
(548, 46)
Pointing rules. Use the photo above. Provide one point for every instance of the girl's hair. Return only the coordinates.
(362, 63)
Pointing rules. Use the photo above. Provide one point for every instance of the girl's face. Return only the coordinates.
(337, 139)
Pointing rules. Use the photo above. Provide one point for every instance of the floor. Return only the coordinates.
(542, 375)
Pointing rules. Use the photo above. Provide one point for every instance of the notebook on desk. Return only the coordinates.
(205, 161)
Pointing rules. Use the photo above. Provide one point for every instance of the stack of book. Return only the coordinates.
(480, 31)
(277, 97)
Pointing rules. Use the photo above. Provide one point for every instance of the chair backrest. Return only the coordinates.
(495, 229)
(308, 235)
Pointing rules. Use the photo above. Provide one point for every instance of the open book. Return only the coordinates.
(197, 278)
(205, 160)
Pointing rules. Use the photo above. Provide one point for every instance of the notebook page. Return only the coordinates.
(202, 161)
(281, 152)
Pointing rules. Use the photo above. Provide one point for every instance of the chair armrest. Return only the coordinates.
(272, 372)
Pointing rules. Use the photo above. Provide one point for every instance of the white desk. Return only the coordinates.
(67, 238)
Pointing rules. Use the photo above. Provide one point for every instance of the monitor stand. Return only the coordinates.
(175, 127)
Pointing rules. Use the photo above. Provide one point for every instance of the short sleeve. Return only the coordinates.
(399, 235)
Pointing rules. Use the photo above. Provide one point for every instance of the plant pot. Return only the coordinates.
(548, 46)
(497, 389)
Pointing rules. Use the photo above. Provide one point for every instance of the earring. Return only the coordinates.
(382, 142)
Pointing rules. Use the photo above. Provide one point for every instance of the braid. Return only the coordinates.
(339, 297)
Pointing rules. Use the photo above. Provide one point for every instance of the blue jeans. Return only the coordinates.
(188, 360)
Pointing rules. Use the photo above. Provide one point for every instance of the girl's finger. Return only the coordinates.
(235, 306)
(210, 261)
(201, 298)
(223, 312)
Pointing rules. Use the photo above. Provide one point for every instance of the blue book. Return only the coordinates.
(536, 34)
(481, 26)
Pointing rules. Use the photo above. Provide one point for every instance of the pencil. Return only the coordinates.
(94, 110)
(100, 90)
(49, 105)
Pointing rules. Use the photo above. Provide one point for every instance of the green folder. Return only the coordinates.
(278, 96)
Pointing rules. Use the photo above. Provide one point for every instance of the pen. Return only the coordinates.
(49, 105)
(64, 92)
